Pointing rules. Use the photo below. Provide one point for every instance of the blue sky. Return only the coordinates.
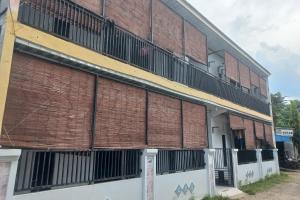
(268, 30)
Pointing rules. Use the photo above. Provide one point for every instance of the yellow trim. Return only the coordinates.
(70, 49)
(7, 53)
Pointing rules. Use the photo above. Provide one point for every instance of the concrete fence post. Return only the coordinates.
(148, 173)
(210, 167)
(275, 155)
(259, 163)
(235, 167)
(8, 169)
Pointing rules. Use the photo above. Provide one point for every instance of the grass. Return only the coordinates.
(216, 198)
(264, 184)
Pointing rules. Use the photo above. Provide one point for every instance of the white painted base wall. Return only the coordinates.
(130, 189)
(268, 168)
(248, 173)
(166, 185)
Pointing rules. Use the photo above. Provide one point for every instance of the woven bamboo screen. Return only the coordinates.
(120, 119)
(47, 106)
(263, 87)
(194, 126)
(269, 134)
(249, 134)
(231, 67)
(164, 121)
(236, 123)
(254, 78)
(244, 75)
(259, 130)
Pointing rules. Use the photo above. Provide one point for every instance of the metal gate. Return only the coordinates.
(223, 167)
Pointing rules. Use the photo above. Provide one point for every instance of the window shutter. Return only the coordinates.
(244, 75)
(249, 134)
(231, 67)
(259, 130)
(236, 123)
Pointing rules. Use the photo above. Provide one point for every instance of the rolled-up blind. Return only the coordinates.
(236, 123)
(48, 105)
(259, 130)
(120, 118)
(269, 134)
(194, 126)
(231, 67)
(244, 75)
(249, 134)
(164, 121)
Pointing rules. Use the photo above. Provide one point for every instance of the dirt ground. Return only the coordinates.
(286, 191)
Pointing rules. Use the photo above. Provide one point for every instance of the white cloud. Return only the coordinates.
(268, 30)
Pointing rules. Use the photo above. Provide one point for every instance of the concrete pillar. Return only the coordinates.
(210, 167)
(149, 173)
(275, 155)
(8, 169)
(209, 130)
(235, 167)
(259, 163)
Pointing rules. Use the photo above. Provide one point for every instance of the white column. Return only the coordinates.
(275, 155)
(210, 167)
(235, 167)
(259, 163)
(8, 169)
(148, 173)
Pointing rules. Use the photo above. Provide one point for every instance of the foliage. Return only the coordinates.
(286, 114)
(216, 198)
(264, 184)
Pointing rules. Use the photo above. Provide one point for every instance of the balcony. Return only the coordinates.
(73, 23)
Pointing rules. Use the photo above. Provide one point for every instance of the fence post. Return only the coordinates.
(148, 173)
(210, 167)
(259, 162)
(235, 167)
(275, 155)
(8, 169)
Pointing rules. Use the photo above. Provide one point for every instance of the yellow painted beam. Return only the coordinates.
(7, 52)
(70, 49)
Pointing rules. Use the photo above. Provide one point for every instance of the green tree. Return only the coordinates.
(277, 108)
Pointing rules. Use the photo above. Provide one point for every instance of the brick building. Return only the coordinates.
(135, 99)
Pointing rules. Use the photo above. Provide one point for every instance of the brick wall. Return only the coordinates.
(47, 106)
(195, 43)
(93, 5)
(167, 28)
(120, 120)
(133, 15)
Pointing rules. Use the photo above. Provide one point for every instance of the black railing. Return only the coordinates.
(171, 161)
(71, 22)
(43, 170)
(223, 166)
(246, 156)
(267, 155)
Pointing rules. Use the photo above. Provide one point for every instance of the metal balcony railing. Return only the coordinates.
(72, 22)
(40, 170)
(246, 156)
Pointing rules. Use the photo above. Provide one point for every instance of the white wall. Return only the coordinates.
(219, 124)
(248, 173)
(166, 185)
(130, 189)
(215, 61)
(268, 168)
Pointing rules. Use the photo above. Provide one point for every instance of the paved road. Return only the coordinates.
(286, 191)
